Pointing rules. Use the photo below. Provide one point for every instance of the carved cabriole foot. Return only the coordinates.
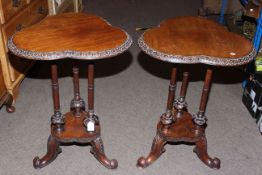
(156, 150)
(201, 150)
(53, 150)
(98, 151)
(182, 130)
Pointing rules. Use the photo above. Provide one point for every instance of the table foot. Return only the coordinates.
(201, 151)
(53, 150)
(182, 130)
(98, 151)
(156, 150)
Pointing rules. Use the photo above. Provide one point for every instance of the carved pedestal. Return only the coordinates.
(190, 40)
(72, 127)
(76, 36)
(181, 126)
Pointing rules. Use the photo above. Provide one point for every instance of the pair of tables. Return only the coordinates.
(183, 40)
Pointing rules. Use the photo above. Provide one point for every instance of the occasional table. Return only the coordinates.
(190, 40)
(77, 36)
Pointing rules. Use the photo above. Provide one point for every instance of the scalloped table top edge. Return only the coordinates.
(158, 50)
(34, 54)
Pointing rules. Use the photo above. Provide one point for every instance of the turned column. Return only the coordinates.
(91, 71)
(200, 118)
(77, 104)
(167, 117)
(57, 119)
(91, 118)
(181, 104)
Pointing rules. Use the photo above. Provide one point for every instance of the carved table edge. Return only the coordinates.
(55, 55)
(196, 58)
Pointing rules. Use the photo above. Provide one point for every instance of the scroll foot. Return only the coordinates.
(98, 151)
(156, 150)
(53, 150)
(201, 151)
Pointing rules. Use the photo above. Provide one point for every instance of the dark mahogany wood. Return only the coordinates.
(184, 85)
(183, 130)
(77, 36)
(55, 88)
(206, 89)
(72, 129)
(53, 150)
(98, 151)
(90, 87)
(191, 40)
(77, 104)
(80, 32)
(172, 88)
(167, 117)
(57, 119)
(180, 104)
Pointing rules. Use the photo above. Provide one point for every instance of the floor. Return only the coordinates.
(130, 95)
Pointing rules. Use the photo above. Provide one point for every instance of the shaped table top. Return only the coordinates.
(70, 35)
(191, 40)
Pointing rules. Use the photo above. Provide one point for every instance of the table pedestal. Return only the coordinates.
(178, 125)
(72, 127)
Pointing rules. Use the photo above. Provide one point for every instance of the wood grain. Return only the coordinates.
(74, 130)
(70, 31)
(191, 36)
(9, 8)
(3, 89)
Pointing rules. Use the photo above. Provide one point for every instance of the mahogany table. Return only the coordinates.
(190, 40)
(77, 36)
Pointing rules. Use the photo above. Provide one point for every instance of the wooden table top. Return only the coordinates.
(196, 40)
(70, 35)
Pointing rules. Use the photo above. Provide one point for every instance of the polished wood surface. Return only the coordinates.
(183, 130)
(70, 31)
(73, 127)
(74, 131)
(183, 127)
(192, 36)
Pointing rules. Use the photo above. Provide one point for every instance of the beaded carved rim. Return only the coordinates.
(90, 55)
(197, 58)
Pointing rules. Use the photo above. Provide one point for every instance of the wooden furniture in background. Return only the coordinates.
(5, 97)
(14, 16)
(58, 6)
(203, 42)
(76, 36)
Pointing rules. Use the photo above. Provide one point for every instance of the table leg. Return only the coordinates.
(91, 117)
(57, 119)
(167, 118)
(157, 149)
(200, 120)
(97, 144)
(53, 150)
(77, 104)
(181, 104)
(98, 151)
